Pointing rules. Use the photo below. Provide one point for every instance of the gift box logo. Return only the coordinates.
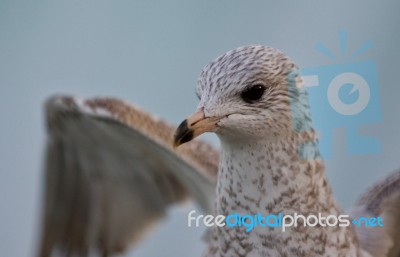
(344, 95)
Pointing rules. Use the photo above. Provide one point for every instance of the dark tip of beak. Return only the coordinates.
(183, 134)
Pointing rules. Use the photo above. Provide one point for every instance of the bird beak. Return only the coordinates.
(195, 125)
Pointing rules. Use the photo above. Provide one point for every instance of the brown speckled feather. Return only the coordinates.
(111, 172)
(374, 198)
(382, 199)
(196, 152)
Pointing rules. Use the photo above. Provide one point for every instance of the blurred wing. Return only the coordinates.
(111, 172)
(383, 199)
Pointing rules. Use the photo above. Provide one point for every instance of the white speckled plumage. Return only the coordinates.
(269, 163)
(260, 167)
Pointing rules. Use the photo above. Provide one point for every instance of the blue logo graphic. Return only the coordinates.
(344, 95)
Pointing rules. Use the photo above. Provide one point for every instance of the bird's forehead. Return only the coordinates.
(239, 67)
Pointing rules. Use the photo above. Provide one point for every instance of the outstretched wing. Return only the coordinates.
(383, 200)
(111, 172)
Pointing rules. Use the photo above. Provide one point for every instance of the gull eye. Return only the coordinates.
(253, 93)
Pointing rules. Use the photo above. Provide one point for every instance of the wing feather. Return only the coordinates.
(111, 173)
(383, 200)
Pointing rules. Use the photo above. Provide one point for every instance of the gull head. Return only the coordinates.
(250, 93)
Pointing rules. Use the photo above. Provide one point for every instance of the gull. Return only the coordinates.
(112, 169)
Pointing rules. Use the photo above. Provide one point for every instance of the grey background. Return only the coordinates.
(150, 53)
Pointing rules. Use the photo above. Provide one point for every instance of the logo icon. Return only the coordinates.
(344, 95)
